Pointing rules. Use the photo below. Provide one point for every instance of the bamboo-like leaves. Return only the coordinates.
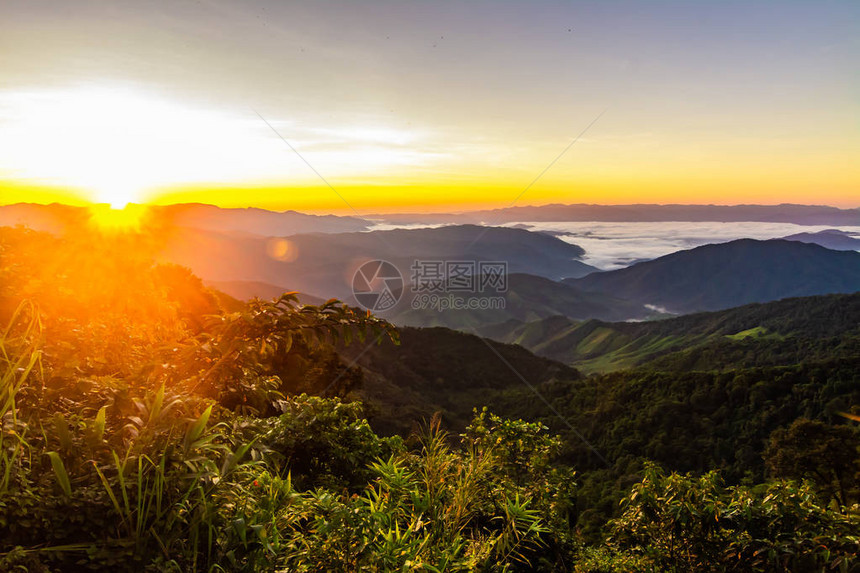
(60, 472)
(195, 431)
(98, 426)
(62, 429)
(19, 353)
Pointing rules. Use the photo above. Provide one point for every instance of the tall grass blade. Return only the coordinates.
(60, 473)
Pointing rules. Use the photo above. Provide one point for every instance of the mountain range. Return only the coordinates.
(55, 218)
(785, 213)
(710, 277)
(255, 252)
(274, 223)
(718, 276)
(324, 264)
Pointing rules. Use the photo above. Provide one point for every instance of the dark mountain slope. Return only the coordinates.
(777, 333)
(527, 298)
(442, 370)
(714, 277)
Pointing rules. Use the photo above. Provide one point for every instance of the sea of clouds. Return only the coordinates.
(610, 245)
(614, 245)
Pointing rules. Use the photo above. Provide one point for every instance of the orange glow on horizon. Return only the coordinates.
(451, 197)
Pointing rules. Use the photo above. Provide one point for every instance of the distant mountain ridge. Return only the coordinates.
(257, 221)
(785, 213)
(52, 218)
(829, 238)
(55, 218)
(718, 276)
(272, 223)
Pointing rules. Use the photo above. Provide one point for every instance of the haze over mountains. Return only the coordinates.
(271, 223)
(324, 264)
(254, 252)
(786, 213)
(258, 221)
(56, 217)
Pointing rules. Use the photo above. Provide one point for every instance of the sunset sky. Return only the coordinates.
(429, 105)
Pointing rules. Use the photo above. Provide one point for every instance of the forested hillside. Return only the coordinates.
(440, 370)
(713, 402)
(785, 332)
(152, 424)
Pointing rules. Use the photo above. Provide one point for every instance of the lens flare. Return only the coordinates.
(282, 250)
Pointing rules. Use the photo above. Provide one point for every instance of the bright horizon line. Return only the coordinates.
(348, 212)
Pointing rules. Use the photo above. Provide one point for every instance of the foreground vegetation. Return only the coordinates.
(154, 425)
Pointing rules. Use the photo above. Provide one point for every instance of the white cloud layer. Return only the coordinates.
(610, 245)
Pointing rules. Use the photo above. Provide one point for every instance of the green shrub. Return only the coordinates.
(684, 523)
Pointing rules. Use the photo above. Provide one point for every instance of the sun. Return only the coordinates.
(115, 218)
(117, 199)
(121, 143)
(118, 144)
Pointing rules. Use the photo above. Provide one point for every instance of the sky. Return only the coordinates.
(406, 106)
